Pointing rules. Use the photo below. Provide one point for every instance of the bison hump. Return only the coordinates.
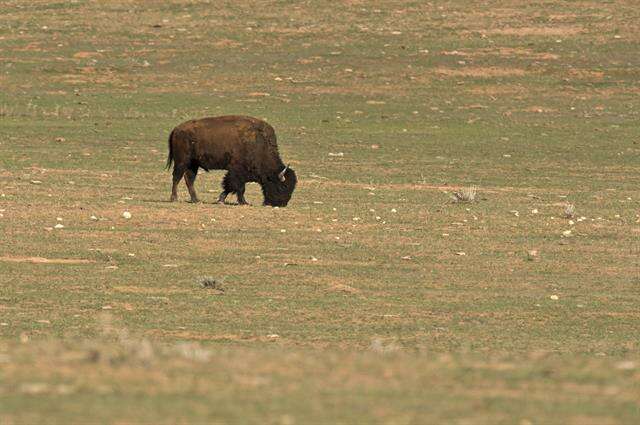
(257, 132)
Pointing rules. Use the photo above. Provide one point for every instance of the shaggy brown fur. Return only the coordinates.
(244, 146)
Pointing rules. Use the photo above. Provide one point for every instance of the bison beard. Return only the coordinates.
(246, 147)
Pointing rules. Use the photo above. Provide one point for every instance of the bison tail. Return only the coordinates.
(170, 157)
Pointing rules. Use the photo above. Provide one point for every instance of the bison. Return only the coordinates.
(244, 146)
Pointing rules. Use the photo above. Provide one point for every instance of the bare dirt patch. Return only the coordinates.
(201, 336)
(498, 90)
(507, 52)
(539, 109)
(339, 287)
(84, 55)
(409, 186)
(42, 260)
(149, 291)
(586, 74)
(225, 42)
(481, 72)
(537, 31)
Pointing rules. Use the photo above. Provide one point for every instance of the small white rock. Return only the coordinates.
(534, 211)
(566, 233)
(59, 226)
(94, 218)
(126, 215)
(554, 297)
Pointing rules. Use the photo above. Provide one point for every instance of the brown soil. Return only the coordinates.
(537, 31)
(41, 260)
(481, 72)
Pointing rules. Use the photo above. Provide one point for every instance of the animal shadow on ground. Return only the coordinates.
(166, 201)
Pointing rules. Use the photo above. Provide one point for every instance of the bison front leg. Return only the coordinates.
(240, 193)
(190, 178)
(232, 184)
(227, 188)
(222, 197)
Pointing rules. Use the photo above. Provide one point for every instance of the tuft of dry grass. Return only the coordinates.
(397, 276)
(209, 282)
(569, 211)
(466, 194)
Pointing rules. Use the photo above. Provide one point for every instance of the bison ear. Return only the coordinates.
(281, 175)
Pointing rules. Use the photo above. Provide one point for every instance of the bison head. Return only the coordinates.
(278, 188)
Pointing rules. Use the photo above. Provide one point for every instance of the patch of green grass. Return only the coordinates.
(384, 111)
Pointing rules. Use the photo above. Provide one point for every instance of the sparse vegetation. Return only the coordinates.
(212, 283)
(569, 211)
(466, 194)
(365, 300)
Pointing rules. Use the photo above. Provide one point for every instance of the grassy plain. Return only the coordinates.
(372, 297)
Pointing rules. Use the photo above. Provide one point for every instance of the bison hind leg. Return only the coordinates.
(226, 188)
(178, 172)
(240, 193)
(190, 178)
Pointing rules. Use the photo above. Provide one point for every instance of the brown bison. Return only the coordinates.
(244, 146)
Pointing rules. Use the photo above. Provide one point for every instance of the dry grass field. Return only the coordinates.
(373, 297)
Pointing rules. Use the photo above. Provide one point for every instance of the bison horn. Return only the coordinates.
(281, 175)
